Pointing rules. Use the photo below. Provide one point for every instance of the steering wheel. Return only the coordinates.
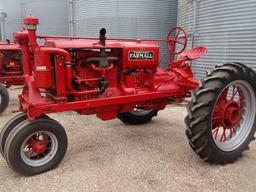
(174, 37)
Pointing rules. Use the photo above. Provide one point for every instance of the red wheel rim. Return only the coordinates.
(39, 148)
(232, 109)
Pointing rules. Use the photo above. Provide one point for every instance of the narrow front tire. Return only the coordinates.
(4, 98)
(35, 147)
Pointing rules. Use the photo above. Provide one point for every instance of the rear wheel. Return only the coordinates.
(35, 147)
(137, 116)
(221, 119)
(4, 98)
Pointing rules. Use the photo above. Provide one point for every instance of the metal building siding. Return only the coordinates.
(122, 18)
(228, 29)
(13, 20)
(184, 19)
(53, 15)
(183, 14)
(90, 16)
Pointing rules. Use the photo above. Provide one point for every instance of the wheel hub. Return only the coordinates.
(38, 146)
(227, 112)
(231, 114)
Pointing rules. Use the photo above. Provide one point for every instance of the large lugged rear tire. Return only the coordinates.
(137, 116)
(4, 98)
(221, 119)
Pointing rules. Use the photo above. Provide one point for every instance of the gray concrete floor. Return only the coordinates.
(111, 156)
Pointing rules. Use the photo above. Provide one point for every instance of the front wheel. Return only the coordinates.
(35, 147)
(8, 127)
(4, 98)
(137, 116)
(221, 119)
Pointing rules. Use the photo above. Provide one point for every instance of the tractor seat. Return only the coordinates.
(193, 54)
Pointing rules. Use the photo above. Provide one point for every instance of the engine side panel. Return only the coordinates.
(140, 55)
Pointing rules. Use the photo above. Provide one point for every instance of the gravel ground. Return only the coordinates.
(110, 156)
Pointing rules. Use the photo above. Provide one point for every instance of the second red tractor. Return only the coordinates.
(11, 70)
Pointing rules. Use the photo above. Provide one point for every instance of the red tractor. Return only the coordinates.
(11, 70)
(122, 78)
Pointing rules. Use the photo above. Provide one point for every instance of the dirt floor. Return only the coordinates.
(111, 156)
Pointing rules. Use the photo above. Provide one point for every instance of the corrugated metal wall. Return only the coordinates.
(53, 15)
(184, 19)
(122, 18)
(227, 28)
(13, 21)
(183, 14)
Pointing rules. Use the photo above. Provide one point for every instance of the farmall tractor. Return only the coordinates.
(122, 78)
(11, 70)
